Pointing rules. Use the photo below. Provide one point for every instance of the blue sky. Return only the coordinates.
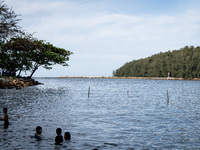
(105, 34)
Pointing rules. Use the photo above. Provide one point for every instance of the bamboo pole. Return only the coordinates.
(128, 93)
(167, 98)
(89, 92)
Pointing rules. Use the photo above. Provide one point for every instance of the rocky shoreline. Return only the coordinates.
(18, 83)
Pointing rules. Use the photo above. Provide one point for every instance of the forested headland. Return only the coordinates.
(182, 63)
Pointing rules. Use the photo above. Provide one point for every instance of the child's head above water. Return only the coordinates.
(38, 130)
(59, 131)
(5, 110)
(67, 136)
(38, 133)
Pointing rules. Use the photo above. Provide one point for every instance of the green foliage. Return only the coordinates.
(183, 63)
(8, 23)
(27, 54)
(21, 52)
(16, 54)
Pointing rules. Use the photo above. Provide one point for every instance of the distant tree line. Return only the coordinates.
(182, 63)
(20, 51)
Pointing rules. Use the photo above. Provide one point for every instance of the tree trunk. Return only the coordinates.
(35, 68)
(19, 72)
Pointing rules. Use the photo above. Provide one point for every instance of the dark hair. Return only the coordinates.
(67, 136)
(39, 129)
(59, 131)
(5, 109)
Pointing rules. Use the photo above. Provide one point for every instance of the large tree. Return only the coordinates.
(8, 22)
(48, 55)
(15, 53)
(22, 52)
(28, 54)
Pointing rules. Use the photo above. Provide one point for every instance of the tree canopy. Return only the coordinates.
(182, 63)
(22, 52)
(28, 54)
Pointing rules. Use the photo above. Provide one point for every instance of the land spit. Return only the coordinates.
(148, 78)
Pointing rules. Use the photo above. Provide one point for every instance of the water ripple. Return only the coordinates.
(118, 114)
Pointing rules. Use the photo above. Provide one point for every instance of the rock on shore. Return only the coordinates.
(9, 82)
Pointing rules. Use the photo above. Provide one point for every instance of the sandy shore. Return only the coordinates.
(149, 78)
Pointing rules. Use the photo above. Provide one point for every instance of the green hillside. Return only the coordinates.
(182, 63)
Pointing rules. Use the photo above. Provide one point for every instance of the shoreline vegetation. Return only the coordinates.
(18, 83)
(182, 63)
(147, 78)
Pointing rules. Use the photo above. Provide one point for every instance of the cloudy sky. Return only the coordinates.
(105, 34)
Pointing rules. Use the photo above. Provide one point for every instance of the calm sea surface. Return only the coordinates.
(119, 114)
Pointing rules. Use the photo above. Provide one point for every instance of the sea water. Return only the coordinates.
(119, 114)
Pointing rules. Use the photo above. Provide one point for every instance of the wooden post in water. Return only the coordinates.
(167, 98)
(89, 92)
(128, 93)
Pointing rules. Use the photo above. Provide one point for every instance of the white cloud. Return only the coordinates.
(94, 35)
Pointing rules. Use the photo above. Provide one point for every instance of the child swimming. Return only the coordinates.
(67, 136)
(38, 133)
(59, 137)
(5, 119)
